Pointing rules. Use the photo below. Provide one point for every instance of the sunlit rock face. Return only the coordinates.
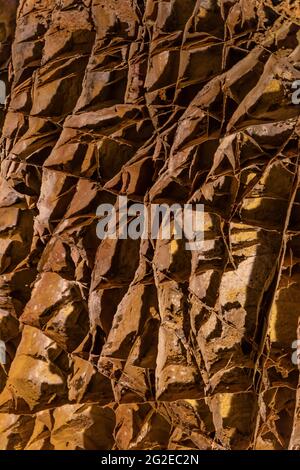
(141, 344)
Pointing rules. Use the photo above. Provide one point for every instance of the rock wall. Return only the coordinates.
(130, 344)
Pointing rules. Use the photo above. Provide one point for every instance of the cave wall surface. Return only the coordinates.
(130, 344)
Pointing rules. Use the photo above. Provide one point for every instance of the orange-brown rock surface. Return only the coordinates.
(130, 344)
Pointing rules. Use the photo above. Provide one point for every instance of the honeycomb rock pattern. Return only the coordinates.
(140, 344)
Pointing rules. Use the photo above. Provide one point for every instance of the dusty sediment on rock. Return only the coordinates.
(141, 344)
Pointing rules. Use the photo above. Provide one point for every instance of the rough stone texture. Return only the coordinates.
(127, 345)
